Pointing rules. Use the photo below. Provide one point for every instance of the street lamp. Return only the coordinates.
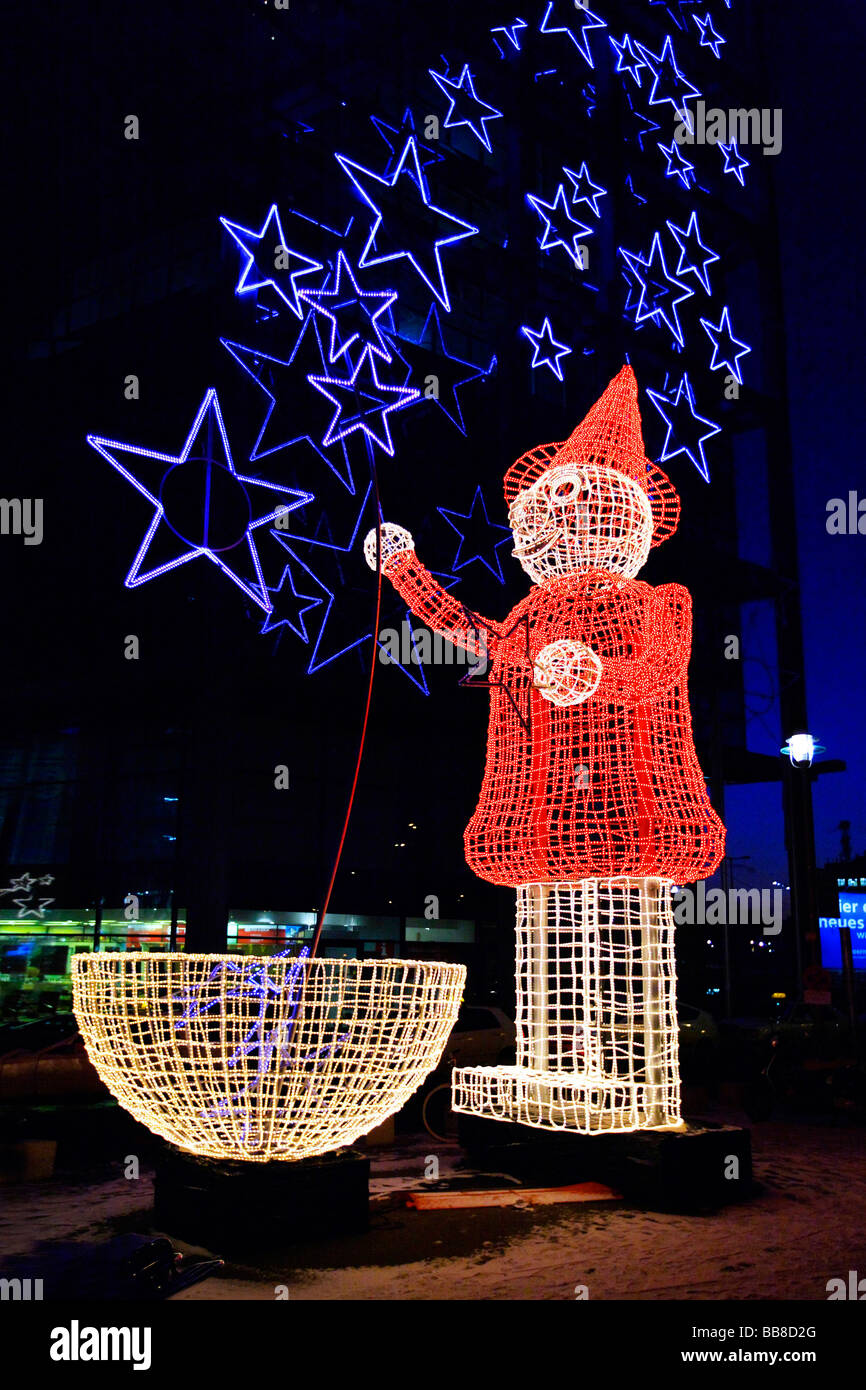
(801, 748)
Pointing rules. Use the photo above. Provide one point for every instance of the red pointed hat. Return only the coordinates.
(610, 435)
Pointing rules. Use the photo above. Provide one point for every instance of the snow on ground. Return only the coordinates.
(804, 1227)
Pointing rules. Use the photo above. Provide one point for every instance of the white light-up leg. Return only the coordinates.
(596, 1012)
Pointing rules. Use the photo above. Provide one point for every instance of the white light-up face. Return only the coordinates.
(577, 519)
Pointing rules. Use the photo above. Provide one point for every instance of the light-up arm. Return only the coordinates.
(429, 602)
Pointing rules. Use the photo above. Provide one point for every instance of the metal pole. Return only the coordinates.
(848, 977)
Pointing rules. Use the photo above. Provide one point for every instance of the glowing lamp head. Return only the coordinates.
(801, 749)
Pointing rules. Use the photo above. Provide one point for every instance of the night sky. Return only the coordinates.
(818, 65)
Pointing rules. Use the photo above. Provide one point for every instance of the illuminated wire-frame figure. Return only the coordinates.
(593, 802)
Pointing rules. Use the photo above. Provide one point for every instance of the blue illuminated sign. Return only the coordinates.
(852, 914)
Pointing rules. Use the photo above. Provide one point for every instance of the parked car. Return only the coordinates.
(483, 1036)
(699, 1045)
(697, 1028)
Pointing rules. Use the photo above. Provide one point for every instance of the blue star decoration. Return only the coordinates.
(273, 376)
(363, 402)
(353, 313)
(404, 197)
(291, 598)
(678, 166)
(478, 535)
(669, 85)
(466, 106)
(511, 34)
(564, 10)
(629, 183)
(561, 227)
(685, 425)
(709, 37)
(395, 138)
(270, 262)
(339, 629)
(202, 505)
(410, 659)
(546, 350)
(727, 350)
(641, 120)
(583, 188)
(627, 59)
(680, 18)
(735, 162)
(695, 257)
(656, 298)
(318, 565)
(427, 364)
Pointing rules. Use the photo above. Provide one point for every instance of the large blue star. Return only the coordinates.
(689, 241)
(328, 645)
(395, 138)
(627, 59)
(566, 11)
(584, 190)
(665, 71)
(345, 626)
(681, 417)
(483, 531)
(353, 313)
(727, 350)
(397, 191)
(546, 350)
(362, 402)
(435, 361)
(272, 376)
(561, 227)
(709, 37)
(200, 489)
(470, 110)
(281, 266)
(659, 311)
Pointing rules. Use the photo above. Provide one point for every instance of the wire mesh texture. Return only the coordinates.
(597, 1037)
(263, 1058)
(591, 769)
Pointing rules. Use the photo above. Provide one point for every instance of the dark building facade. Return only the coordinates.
(176, 771)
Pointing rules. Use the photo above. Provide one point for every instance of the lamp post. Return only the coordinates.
(800, 750)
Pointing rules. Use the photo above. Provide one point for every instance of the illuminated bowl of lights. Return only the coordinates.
(238, 1057)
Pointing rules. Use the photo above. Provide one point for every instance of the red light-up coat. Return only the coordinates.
(606, 787)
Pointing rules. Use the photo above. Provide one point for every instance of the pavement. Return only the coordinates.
(804, 1226)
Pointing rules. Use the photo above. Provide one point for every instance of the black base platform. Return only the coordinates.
(700, 1168)
(223, 1205)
